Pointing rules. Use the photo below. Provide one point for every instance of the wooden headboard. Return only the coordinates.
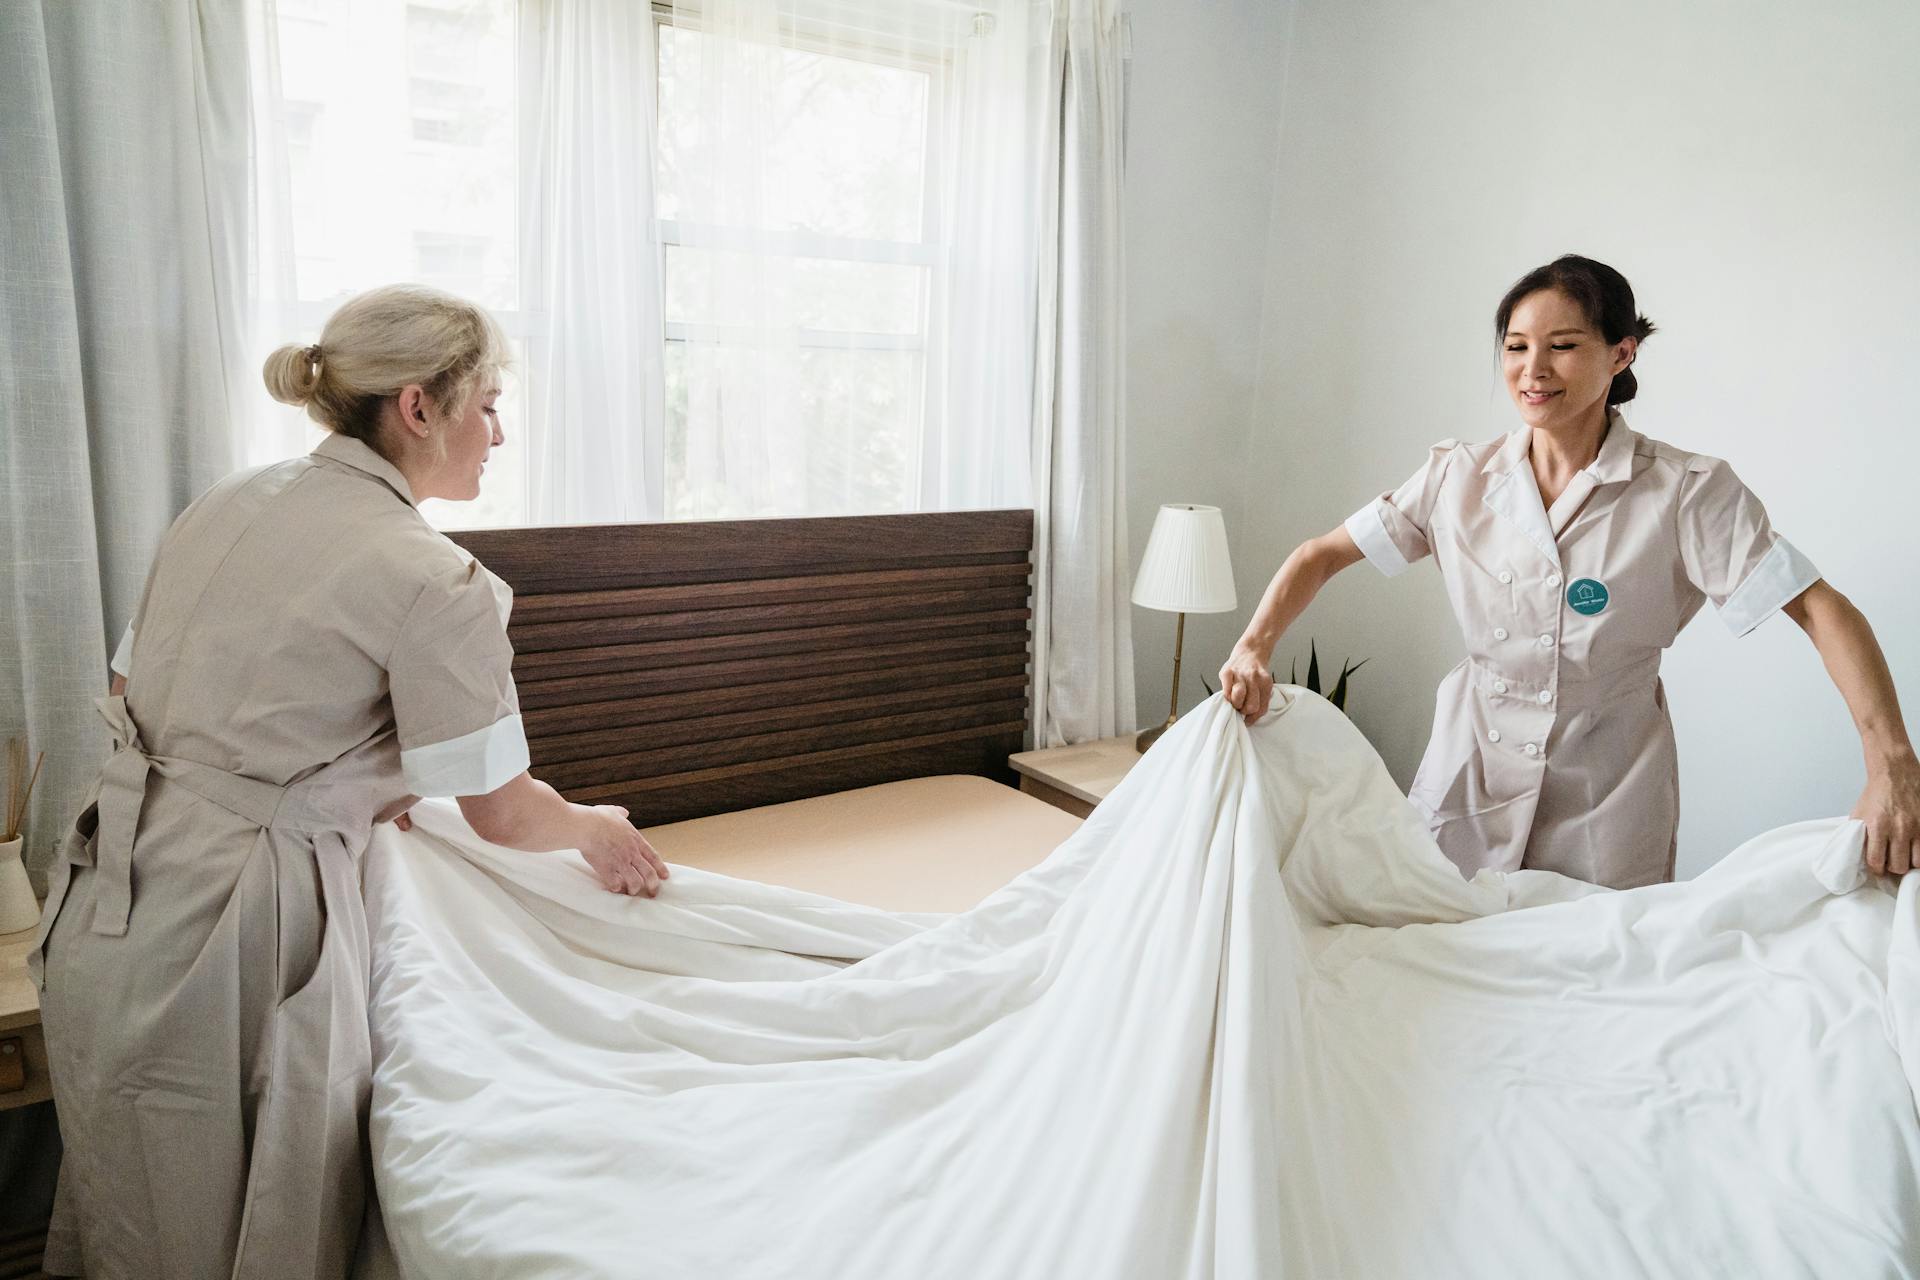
(693, 668)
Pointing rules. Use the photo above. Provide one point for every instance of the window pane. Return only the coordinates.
(704, 286)
(861, 412)
(401, 146)
(846, 154)
(850, 446)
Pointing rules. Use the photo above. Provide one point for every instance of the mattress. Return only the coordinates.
(925, 844)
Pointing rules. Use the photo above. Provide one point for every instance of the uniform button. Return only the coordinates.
(1546, 642)
(1532, 750)
(1553, 579)
(1499, 686)
(1505, 576)
(1499, 633)
(1545, 696)
(1493, 735)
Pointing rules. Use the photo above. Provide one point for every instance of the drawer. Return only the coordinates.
(23, 1067)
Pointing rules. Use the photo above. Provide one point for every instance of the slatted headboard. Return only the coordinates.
(694, 668)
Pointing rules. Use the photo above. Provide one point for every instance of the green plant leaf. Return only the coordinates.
(1293, 671)
(1313, 667)
(1339, 698)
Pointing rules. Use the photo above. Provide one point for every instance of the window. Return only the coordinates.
(837, 261)
(740, 311)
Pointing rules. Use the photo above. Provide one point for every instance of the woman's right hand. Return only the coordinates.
(618, 853)
(1246, 682)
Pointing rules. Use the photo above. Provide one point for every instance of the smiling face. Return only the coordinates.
(1557, 364)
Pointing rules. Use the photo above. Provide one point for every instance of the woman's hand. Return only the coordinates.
(1246, 682)
(1890, 806)
(619, 854)
(396, 813)
(525, 813)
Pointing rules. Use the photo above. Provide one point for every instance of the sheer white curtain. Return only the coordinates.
(589, 262)
(1082, 631)
(846, 195)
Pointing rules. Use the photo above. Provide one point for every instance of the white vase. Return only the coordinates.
(18, 907)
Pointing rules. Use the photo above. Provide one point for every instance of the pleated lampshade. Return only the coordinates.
(1185, 569)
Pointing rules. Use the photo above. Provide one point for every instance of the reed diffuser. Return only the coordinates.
(18, 907)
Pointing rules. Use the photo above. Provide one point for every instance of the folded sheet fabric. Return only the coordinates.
(1247, 1022)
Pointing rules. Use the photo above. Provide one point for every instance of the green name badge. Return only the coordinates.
(1587, 596)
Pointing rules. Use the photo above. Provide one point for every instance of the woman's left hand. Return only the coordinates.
(1890, 806)
(396, 813)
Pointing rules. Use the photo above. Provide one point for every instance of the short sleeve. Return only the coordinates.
(451, 680)
(122, 661)
(1730, 550)
(1394, 530)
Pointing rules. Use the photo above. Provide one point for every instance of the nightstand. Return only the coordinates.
(1078, 777)
(23, 1053)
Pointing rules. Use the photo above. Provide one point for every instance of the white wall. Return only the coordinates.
(1755, 172)
(1203, 122)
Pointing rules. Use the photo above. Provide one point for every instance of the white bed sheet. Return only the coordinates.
(1247, 1022)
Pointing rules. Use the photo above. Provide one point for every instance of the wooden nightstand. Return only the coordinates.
(1079, 777)
(23, 1053)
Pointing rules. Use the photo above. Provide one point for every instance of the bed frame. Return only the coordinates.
(687, 669)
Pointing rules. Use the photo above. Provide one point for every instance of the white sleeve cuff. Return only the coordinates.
(122, 661)
(1369, 533)
(1782, 574)
(470, 765)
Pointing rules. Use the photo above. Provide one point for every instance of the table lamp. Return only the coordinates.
(1185, 570)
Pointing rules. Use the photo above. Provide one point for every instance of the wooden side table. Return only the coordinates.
(1078, 777)
(23, 1053)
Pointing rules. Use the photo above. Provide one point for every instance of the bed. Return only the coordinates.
(1245, 1020)
(791, 701)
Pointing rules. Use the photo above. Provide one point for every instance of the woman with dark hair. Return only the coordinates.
(1574, 550)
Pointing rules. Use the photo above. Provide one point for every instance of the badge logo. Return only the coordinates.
(1587, 596)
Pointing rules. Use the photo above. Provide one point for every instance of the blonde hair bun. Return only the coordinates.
(380, 341)
(292, 373)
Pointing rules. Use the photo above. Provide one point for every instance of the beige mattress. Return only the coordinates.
(925, 844)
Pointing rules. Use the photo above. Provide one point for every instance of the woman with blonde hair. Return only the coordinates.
(308, 658)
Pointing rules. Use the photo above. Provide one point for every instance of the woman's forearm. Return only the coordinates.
(1293, 588)
(525, 814)
(1854, 660)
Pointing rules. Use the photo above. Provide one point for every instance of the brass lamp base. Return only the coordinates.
(1147, 737)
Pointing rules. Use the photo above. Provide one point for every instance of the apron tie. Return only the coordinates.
(123, 792)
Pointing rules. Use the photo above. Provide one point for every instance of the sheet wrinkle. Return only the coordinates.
(1248, 1004)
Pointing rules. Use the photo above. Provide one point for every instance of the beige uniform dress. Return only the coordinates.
(1552, 747)
(308, 651)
